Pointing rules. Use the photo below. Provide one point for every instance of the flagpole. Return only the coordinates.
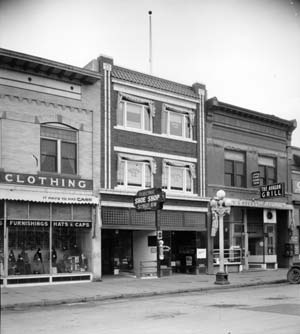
(150, 42)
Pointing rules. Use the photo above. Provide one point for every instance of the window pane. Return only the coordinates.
(188, 128)
(176, 124)
(228, 167)
(48, 155)
(120, 113)
(176, 178)
(134, 173)
(271, 175)
(262, 174)
(147, 176)
(133, 117)
(188, 181)
(228, 180)
(165, 177)
(68, 158)
(239, 168)
(121, 173)
(147, 119)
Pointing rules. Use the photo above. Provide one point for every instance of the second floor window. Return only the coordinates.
(178, 176)
(235, 169)
(135, 171)
(135, 113)
(267, 170)
(58, 149)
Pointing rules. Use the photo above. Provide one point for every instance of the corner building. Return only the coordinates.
(241, 142)
(152, 136)
(49, 147)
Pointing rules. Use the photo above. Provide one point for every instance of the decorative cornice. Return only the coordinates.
(47, 104)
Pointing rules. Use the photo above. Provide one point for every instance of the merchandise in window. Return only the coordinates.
(178, 176)
(177, 122)
(135, 171)
(135, 113)
(58, 149)
(235, 169)
(267, 170)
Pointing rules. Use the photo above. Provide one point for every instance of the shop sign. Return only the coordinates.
(28, 223)
(72, 224)
(201, 253)
(149, 199)
(45, 181)
(272, 190)
(255, 178)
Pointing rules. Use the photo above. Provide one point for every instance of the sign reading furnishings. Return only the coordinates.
(45, 181)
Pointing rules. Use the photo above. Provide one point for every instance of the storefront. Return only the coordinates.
(129, 240)
(46, 237)
(255, 234)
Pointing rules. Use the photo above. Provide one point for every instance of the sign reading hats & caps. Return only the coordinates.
(272, 190)
(149, 199)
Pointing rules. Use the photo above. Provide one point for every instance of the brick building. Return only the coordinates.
(49, 171)
(294, 236)
(152, 136)
(241, 142)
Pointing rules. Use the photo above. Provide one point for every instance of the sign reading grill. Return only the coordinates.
(272, 190)
(149, 199)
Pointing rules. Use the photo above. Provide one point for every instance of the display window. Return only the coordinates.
(46, 239)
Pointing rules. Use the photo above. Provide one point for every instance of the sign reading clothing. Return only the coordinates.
(45, 181)
(38, 223)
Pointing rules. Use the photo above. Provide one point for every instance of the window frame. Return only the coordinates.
(234, 174)
(144, 112)
(125, 181)
(266, 168)
(186, 125)
(59, 148)
(167, 178)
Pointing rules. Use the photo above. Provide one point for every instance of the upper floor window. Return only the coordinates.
(178, 176)
(235, 169)
(135, 113)
(135, 171)
(58, 149)
(267, 170)
(177, 122)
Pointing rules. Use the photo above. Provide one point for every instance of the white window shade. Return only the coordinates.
(135, 99)
(234, 155)
(137, 158)
(190, 166)
(266, 161)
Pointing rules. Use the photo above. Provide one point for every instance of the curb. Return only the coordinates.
(75, 300)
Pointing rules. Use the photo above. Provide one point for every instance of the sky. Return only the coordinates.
(246, 52)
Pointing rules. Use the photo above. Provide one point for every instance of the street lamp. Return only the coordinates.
(220, 207)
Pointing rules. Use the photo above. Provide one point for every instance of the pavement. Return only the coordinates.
(118, 287)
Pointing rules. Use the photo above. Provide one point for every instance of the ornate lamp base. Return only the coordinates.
(221, 278)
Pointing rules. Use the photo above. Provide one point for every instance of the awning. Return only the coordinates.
(47, 197)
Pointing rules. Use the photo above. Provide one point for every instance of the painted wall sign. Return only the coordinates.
(272, 190)
(45, 181)
(38, 223)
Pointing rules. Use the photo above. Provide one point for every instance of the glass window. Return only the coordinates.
(234, 169)
(267, 169)
(178, 124)
(134, 116)
(134, 174)
(58, 149)
(177, 178)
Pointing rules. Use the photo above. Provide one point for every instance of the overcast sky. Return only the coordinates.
(246, 52)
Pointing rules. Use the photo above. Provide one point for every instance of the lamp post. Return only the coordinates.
(220, 207)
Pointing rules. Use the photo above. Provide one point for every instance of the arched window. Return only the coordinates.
(58, 149)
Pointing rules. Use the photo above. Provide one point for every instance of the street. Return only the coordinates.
(266, 309)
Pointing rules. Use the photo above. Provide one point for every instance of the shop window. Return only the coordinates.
(267, 169)
(235, 169)
(135, 113)
(61, 212)
(178, 176)
(177, 122)
(135, 171)
(58, 149)
(39, 211)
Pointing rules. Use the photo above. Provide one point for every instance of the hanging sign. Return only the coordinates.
(272, 190)
(255, 178)
(149, 199)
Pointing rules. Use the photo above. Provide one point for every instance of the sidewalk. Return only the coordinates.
(115, 287)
